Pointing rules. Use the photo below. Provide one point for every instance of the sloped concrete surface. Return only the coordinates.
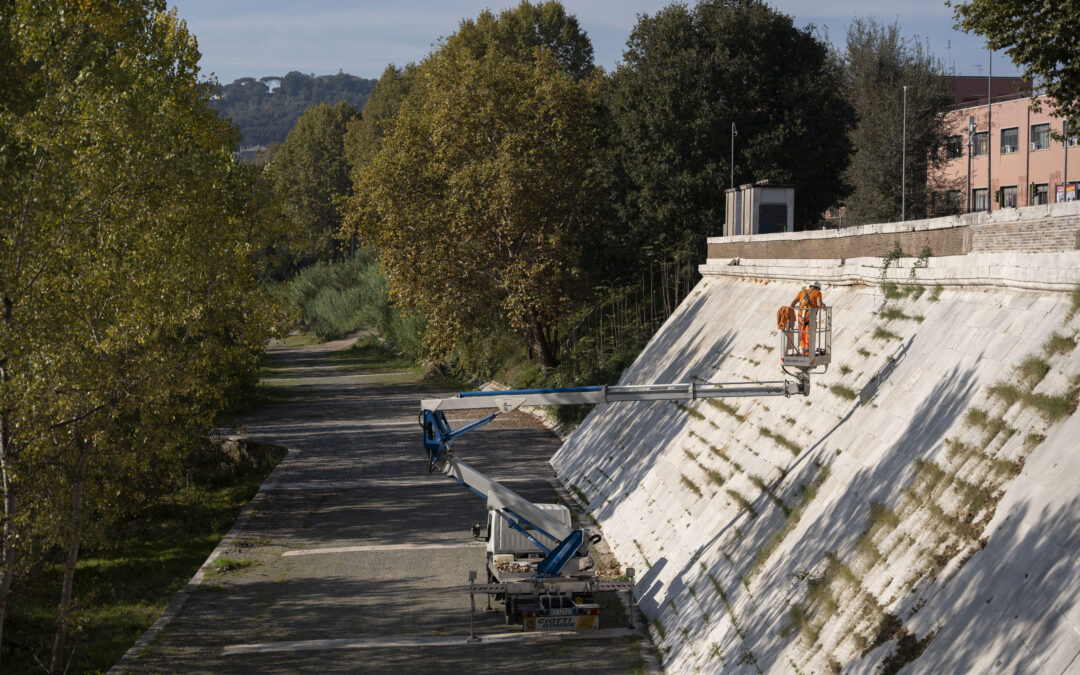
(920, 510)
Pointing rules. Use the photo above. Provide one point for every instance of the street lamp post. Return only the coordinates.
(903, 164)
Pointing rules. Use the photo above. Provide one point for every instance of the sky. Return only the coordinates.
(260, 38)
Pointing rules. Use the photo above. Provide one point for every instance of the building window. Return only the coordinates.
(954, 147)
(1006, 197)
(1068, 192)
(982, 143)
(1010, 140)
(1040, 136)
(1040, 193)
(978, 200)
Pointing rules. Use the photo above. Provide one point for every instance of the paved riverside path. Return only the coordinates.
(361, 558)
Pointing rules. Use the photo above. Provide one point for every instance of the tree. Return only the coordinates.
(362, 137)
(130, 304)
(516, 33)
(878, 63)
(310, 176)
(1041, 38)
(687, 76)
(266, 115)
(477, 191)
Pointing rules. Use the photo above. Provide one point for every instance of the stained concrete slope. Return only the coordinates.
(920, 507)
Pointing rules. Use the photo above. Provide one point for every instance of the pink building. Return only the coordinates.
(1025, 165)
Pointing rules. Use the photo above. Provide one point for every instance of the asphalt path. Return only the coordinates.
(358, 559)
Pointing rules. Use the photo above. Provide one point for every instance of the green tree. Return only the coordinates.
(362, 137)
(474, 198)
(130, 308)
(311, 176)
(688, 74)
(1039, 37)
(878, 64)
(517, 32)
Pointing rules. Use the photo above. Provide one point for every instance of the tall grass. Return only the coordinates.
(339, 297)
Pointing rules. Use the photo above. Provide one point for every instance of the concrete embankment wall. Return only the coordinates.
(921, 506)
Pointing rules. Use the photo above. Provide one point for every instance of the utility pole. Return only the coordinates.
(903, 164)
(734, 133)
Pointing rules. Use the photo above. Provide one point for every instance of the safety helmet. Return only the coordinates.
(815, 284)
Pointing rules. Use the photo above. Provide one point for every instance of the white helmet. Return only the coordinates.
(815, 284)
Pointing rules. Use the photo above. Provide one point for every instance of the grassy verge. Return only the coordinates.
(369, 354)
(122, 588)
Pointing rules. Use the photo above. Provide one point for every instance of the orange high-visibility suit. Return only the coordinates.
(806, 299)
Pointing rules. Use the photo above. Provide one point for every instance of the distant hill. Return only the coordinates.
(266, 109)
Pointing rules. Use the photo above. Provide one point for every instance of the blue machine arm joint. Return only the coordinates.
(438, 434)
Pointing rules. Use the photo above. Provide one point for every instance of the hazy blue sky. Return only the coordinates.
(256, 38)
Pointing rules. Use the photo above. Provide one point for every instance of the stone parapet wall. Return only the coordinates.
(1017, 270)
(1037, 229)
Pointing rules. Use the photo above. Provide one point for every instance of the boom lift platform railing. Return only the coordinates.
(796, 360)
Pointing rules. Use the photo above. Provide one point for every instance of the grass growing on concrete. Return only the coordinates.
(1075, 302)
(725, 407)
(894, 314)
(691, 485)
(1059, 344)
(1052, 408)
(843, 392)
(881, 333)
(863, 353)
(764, 487)
(1033, 440)
(716, 477)
(225, 564)
(804, 495)
(1032, 370)
(780, 440)
(690, 411)
(743, 502)
(844, 370)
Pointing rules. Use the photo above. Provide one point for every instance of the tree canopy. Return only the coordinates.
(479, 187)
(688, 75)
(310, 176)
(1039, 37)
(131, 311)
(266, 115)
(878, 63)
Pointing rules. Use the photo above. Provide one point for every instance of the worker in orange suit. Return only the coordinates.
(807, 299)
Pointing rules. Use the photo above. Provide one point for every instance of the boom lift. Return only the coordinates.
(546, 581)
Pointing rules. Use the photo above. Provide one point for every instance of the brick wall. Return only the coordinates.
(1042, 236)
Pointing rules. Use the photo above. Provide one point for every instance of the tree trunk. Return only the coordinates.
(62, 621)
(541, 346)
(7, 558)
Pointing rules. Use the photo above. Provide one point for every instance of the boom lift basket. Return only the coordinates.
(806, 343)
